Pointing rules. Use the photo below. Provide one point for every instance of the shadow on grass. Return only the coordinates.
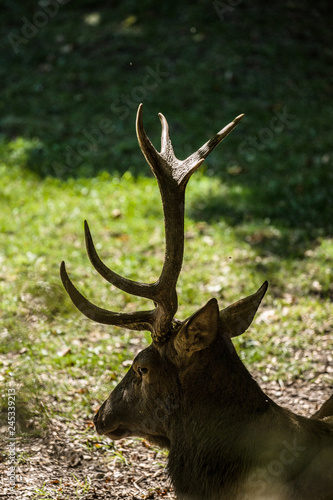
(30, 417)
(284, 218)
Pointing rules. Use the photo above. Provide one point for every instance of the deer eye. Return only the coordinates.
(142, 370)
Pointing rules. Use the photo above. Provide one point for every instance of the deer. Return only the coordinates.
(189, 391)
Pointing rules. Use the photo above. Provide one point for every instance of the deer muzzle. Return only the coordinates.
(105, 426)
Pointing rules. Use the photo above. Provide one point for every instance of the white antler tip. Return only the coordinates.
(162, 118)
(238, 118)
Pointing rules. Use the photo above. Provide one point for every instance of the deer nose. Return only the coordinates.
(96, 417)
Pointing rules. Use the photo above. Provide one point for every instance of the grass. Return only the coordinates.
(260, 208)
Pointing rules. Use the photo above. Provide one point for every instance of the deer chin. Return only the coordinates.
(161, 441)
(121, 432)
(118, 433)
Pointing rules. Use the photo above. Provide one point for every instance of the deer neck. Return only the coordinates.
(214, 436)
(218, 384)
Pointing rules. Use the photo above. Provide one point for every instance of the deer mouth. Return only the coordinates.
(102, 428)
(118, 433)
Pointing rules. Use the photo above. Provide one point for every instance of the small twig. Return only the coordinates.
(137, 487)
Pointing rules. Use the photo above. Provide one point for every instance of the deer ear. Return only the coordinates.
(237, 317)
(199, 331)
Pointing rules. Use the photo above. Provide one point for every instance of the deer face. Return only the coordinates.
(149, 400)
(143, 402)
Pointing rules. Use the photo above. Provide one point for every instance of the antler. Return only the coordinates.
(172, 176)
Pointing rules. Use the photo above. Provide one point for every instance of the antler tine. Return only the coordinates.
(194, 161)
(124, 284)
(133, 321)
(166, 146)
(204, 151)
(147, 148)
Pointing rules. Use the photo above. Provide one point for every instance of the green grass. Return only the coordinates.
(260, 208)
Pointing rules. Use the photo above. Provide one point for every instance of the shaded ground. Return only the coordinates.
(71, 462)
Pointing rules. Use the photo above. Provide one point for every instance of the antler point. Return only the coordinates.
(238, 118)
(139, 115)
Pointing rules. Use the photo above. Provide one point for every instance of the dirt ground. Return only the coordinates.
(71, 463)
